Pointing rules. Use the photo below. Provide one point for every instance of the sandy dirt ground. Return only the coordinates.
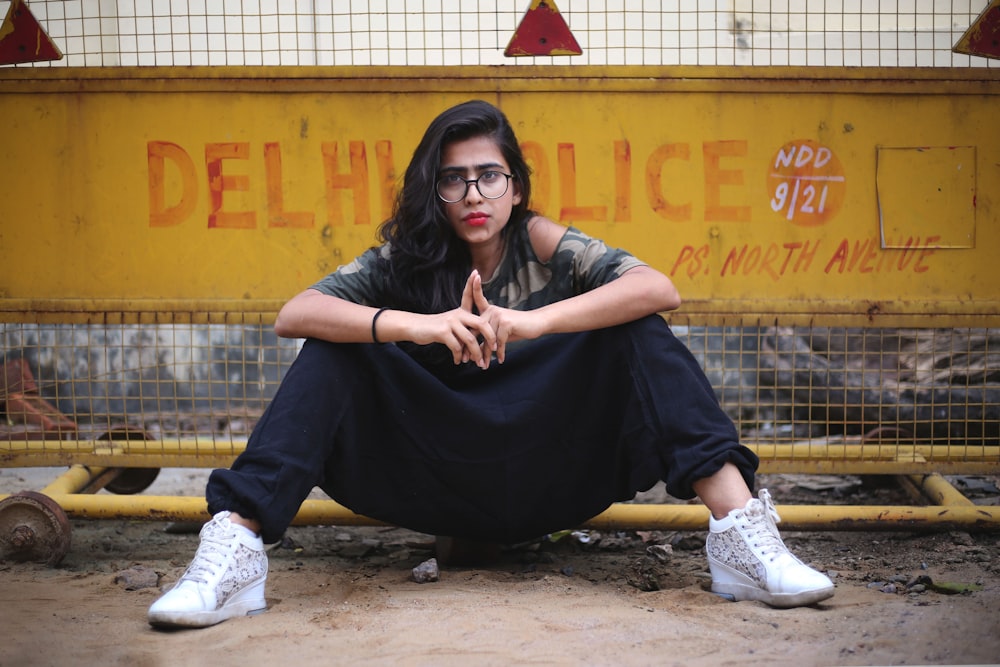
(346, 596)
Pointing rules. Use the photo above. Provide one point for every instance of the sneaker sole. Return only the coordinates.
(741, 593)
(248, 602)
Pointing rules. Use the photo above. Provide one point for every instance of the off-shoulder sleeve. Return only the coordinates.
(589, 262)
(360, 281)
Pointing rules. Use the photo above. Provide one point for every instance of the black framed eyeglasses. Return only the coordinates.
(452, 188)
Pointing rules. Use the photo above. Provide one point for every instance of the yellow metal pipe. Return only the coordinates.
(86, 311)
(575, 78)
(830, 459)
(203, 459)
(701, 311)
(807, 517)
(856, 467)
(81, 479)
(877, 452)
(767, 452)
(618, 517)
(937, 489)
(172, 446)
(208, 459)
(189, 508)
(74, 480)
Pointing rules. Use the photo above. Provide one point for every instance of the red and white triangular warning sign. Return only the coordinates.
(22, 38)
(983, 36)
(542, 32)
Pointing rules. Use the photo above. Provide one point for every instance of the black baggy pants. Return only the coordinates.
(569, 424)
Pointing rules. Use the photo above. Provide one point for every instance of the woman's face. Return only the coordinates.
(476, 219)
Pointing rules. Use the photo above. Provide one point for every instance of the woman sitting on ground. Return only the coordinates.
(486, 374)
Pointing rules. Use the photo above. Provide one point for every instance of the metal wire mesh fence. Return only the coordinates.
(209, 383)
(888, 33)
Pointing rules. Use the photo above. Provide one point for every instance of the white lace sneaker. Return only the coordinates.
(225, 579)
(749, 561)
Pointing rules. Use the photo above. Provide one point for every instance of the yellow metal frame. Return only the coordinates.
(93, 464)
(74, 493)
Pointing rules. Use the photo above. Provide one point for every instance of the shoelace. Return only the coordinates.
(772, 511)
(209, 559)
(761, 530)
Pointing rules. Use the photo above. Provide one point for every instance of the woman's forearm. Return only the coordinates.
(312, 314)
(638, 292)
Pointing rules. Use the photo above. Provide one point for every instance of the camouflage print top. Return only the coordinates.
(521, 282)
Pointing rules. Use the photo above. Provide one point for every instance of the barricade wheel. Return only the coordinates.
(130, 480)
(33, 528)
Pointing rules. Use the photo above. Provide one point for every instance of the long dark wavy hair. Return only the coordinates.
(428, 263)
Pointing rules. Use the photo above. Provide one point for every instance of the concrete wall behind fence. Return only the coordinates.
(95, 373)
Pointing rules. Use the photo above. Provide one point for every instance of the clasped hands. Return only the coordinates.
(477, 329)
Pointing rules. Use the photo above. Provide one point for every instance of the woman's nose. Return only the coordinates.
(472, 192)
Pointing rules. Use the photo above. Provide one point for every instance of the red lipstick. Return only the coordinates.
(475, 219)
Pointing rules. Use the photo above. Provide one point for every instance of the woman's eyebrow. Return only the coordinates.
(478, 167)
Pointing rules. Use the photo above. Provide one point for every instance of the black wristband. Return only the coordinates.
(374, 320)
